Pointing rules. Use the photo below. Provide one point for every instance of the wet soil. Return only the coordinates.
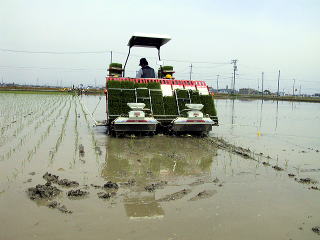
(62, 182)
(175, 196)
(77, 193)
(61, 208)
(111, 185)
(153, 186)
(156, 188)
(45, 191)
(306, 180)
(316, 230)
(203, 194)
(104, 195)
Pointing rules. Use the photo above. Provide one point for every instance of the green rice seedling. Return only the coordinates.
(24, 138)
(167, 68)
(115, 65)
(195, 97)
(157, 102)
(114, 84)
(170, 105)
(94, 141)
(61, 135)
(209, 107)
(154, 85)
(76, 131)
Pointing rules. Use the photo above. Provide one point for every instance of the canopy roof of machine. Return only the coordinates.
(148, 40)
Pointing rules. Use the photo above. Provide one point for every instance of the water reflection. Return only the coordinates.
(261, 115)
(159, 156)
(277, 116)
(143, 206)
(232, 114)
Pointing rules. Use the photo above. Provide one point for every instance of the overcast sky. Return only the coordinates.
(262, 35)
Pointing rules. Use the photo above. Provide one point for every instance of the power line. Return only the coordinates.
(103, 52)
(53, 52)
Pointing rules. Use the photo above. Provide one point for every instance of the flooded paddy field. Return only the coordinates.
(62, 178)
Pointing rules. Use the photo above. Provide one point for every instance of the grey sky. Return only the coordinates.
(262, 35)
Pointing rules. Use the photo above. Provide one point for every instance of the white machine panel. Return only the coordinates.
(166, 90)
(203, 90)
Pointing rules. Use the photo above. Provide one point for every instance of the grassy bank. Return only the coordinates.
(30, 90)
(267, 97)
(33, 92)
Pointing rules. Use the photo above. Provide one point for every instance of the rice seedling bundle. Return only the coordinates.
(208, 103)
(125, 93)
(170, 106)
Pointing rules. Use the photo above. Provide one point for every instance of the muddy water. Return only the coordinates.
(168, 188)
(286, 131)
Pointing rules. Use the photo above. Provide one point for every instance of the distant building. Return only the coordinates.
(225, 91)
(248, 91)
(267, 92)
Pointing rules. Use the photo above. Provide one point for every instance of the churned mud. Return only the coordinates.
(203, 194)
(111, 185)
(61, 208)
(62, 182)
(197, 182)
(306, 180)
(175, 196)
(153, 186)
(45, 191)
(316, 230)
(77, 193)
(104, 195)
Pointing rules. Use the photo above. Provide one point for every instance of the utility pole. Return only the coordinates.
(110, 56)
(234, 62)
(278, 83)
(190, 70)
(294, 82)
(262, 83)
(218, 82)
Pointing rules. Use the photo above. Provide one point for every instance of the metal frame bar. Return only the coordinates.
(125, 64)
(161, 70)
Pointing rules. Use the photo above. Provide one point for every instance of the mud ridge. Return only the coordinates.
(111, 185)
(248, 154)
(62, 182)
(306, 180)
(175, 196)
(61, 208)
(153, 186)
(104, 195)
(77, 193)
(316, 230)
(203, 194)
(220, 143)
